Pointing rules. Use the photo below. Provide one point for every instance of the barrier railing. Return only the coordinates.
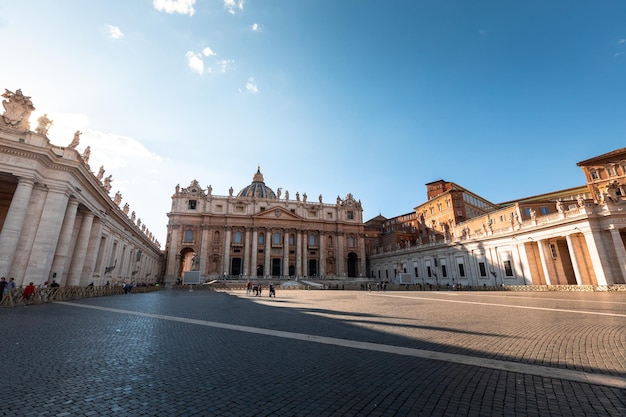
(42, 295)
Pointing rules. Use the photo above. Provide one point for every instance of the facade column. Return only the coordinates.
(78, 259)
(544, 265)
(322, 257)
(305, 253)
(341, 262)
(254, 251)
(285, 253)
(298, 253)
(246, 254)
(226, 259)
(618, 243)
(173, 259)
(13, 224)
(362, 257)
(65, 240)
(572, 255)
(203, 248)
(268, 248)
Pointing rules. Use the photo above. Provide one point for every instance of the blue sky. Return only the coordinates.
(373, 98)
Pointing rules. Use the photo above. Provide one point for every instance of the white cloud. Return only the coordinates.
(255, 27)
(621, 41)
(232, 6)
(222, 65)
(208, 52)
(136, 171)
(251, 86)
(175, 6)
(195, 62)
(115, 32)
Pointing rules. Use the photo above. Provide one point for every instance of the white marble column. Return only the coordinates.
(13, 224)
(226, 260)
(544, 265)
(47, 237)
(92, 252)
(574, 258)
(305, 253)
(78, 259)
(64, 243)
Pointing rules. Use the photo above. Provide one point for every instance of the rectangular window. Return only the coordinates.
(350, 215)
(527, 211)
(444, 271)
(461, 270)
(481, 269)
(553, 250)
(191, 204)
(429, 272)
(544, 210)
(611, 170)
(239, 209)
(594, 175)
(416, 274)
(508, 268)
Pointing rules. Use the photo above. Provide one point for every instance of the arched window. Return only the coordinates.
(261, 239)
(276, 238)
(311, 240)
(329, 241)
(216, 237)
(188, 236)
(292, 240)
(350, 241)
(237, 237)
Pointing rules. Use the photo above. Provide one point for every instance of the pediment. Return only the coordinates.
(277, 213)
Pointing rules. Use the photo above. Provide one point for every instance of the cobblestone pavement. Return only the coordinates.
(317, 353)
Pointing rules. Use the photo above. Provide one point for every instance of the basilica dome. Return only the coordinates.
(257, 189)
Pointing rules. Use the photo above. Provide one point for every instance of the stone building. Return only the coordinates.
(568, 237)
(261, 233)
(57, 220)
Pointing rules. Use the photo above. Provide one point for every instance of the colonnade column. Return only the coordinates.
(65, 239)
(226, 260)
(253, 252)
(621, 253)
(544, 264)
(46, 237)
(13, 223)
(246, 253)
(173, 261)
(572, 255)
(92, 252)
(78, 259)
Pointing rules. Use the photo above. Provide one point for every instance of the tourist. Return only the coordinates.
(28, 293)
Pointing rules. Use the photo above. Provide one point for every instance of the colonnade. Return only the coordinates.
(48, 234)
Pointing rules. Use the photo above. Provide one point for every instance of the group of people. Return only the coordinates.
(258, 288)
(28, 292)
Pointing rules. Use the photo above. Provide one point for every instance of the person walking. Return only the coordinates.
(28, 293)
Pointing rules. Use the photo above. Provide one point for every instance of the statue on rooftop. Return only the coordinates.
(87, 154)
(17, 109)
(43, 125)
(100, 173)
(75, 140)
